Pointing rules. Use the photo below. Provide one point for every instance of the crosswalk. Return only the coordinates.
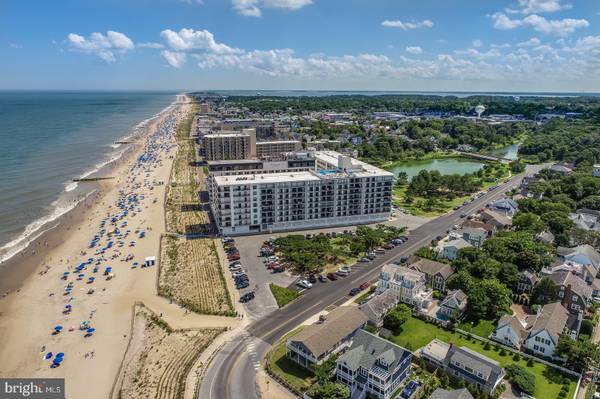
(251, 349)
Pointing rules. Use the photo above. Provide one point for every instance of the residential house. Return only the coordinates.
(449, 249)
(408, 285)
(545, 236)
(596, 170)
(491, 229)
(464, 364)
(511, 331)
(526, 281)
(474, 236)
(497, 219)
(563, 169)
(373, 366)
(455, 303)
(573, 291)
(436, 273)
(378, 306)
(441, 393)
(332, 333)
(505, 206)
(586, 219)
(582, 254)
(546, 328)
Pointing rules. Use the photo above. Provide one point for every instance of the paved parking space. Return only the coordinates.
(260, 276)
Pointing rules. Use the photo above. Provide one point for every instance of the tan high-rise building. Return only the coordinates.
(230, 145)
(270, 149)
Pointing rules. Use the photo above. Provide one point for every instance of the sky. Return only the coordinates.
(403, 45)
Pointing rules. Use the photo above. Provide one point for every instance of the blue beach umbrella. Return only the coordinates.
(90, 330)
(60, 355)
(58, 328)
(48, 355)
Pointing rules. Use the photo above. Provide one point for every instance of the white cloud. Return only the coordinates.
(150, 45)
(175, 59)
(534, 41)
(189, 40)
(559, 27)
(252, 8)
(190, 2)
(500, 46)
(414, 50)
(407, 25)
(541, 6)
(477, 43)
(103, 46)
(474, 53)
(15, 45)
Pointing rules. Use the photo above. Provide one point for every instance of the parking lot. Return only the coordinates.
(260, 277)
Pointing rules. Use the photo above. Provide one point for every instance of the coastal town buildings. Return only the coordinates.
(373, 366)
(331, 334)
(338, 191)
(407, 284)
(462, 363)
(270, 149)
(230, 145)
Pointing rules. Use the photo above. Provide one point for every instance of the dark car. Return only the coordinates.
(247, 297)
(242, 285)
(322, 278)
(312, 279)
(354, 291)
(409, 389)
(332, 276)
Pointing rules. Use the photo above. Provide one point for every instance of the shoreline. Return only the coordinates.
(28, 314)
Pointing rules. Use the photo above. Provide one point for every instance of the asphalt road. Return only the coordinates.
(231, 374)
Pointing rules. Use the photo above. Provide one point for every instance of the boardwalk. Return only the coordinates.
(484, 157)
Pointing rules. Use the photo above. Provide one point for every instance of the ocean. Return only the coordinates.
(49, 138)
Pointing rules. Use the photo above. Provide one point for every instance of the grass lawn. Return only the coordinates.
(416, 207)
(364, 296)
(283, 295)
(482, 328)
(417, 333)
(298, 377)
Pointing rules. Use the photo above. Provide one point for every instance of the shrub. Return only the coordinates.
(522, 379)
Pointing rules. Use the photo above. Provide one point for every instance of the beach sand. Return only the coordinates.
(28, 316)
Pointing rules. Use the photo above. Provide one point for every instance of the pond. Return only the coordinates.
(446, 166)
(509, 152)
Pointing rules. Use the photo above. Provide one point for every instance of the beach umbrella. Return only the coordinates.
(66, 273)
(90, 330)
(68, 306)
(58, 361)
(60, 355)
(58, 328)
(48, 355)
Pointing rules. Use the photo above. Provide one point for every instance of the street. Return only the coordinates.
(232, 374)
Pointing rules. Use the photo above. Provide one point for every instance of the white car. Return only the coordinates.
(304, 283)
(238, 273)
(343, 271)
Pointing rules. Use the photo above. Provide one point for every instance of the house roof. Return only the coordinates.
(458, 243)
(458, 295)
(440, 393)
(368, 350)
(585, 250)
(490, 369)
(339, 323)
(514, 323)
(430, 267)
(530, 276)
(477, 224)
(497, 217)
(399, 273)
(567, 278)
(380, 304)
(552, 318)
(505, 203)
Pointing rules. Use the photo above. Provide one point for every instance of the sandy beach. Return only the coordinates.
(69, 302)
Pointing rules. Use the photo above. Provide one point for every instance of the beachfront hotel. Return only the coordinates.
(335, 191)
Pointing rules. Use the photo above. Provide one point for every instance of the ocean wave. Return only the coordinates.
(35, 229)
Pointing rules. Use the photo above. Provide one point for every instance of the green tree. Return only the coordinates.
(580, 354)
(324, 371)
(527, 221)
(402, 179)
(396, 317)
(329, 390)
(521, 378)
(545, 291)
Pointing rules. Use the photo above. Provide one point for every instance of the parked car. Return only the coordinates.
(312, 279)
(364, 259)
(238, 273)
(278, 269)
(235, 263)
(343, 271)
(389, 245)
(235, 268)
(247, 297)
(225, 240)
(409, 389)
(304, 283)
(242, 285)
(364, 285)
(371, 255)
(379, 251)
(322, 278)
(332, 276)
(354, 291)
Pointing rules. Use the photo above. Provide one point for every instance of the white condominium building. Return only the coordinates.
(338, 191)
